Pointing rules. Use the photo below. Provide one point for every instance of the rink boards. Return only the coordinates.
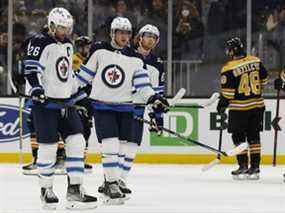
(199, 124)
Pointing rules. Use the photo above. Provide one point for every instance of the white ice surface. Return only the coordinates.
(159, 188)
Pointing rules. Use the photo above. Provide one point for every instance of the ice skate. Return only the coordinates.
(78, 199)
(240, 173)
(49, 199)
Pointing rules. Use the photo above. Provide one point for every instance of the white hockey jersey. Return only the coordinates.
(52, 62)
(114, 75)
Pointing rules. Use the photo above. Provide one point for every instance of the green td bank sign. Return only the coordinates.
(181, 120)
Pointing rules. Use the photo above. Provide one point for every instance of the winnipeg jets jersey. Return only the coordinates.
(114, 75)
(52, 62)
(155, 70)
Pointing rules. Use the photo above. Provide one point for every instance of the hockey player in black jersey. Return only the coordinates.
(242, 79)
(48, 69)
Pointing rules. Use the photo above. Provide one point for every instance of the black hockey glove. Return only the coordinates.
(278, 84)
(157, 122)
(159, 103)
(222, 105)
(38, 96)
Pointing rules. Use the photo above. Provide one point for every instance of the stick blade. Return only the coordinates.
(177, 97)
(237, 150)
(210, 165)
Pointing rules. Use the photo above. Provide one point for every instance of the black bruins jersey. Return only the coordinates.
(241, 83)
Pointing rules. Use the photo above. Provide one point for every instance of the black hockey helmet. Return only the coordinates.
(234, 47)
(82, 41)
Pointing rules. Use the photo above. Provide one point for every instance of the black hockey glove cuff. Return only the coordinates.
(159, 103)
(38, 95)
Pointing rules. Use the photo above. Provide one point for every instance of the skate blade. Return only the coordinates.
(239, 149)
(111, 202)
(210, 165)
(49, 206)
(253, 177)
(240, 177)
(33, 172)
(76, 205)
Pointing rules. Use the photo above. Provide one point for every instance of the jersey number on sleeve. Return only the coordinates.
(33, 51)
(250, 83)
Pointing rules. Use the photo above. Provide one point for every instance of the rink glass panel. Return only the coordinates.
(197, 40)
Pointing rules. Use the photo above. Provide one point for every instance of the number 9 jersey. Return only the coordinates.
(241, 83)
(50, 63)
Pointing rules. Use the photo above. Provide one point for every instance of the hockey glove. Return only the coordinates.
(38, 96)
(222, 105)
(159, 103)
(278, 84)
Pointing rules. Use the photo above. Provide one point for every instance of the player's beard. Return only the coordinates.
(60, 37)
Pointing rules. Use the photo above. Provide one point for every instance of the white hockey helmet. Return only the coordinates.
(59, 16)
(148, 28)
(120, 23)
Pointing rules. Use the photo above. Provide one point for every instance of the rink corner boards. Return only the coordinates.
(153, 158)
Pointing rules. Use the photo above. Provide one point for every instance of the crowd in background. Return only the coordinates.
(200, 27)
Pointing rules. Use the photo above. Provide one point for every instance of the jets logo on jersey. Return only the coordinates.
(113, 76)
(62, 65)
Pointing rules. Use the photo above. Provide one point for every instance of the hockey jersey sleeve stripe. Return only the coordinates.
(88, 71)
(143, 75)
(138, 81)
(80, 78)
(34, 62)
(32, 69)
(137, 86)
(140, 72)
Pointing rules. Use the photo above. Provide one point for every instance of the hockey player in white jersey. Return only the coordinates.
(147, 39)
(113, 76)
(48, 69)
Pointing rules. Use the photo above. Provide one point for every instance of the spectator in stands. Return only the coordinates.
(121, 9)
(157, 15)
(188, 32)
(276, 27)
(216, 28)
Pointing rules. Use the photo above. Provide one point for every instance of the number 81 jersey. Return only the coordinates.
(242, 81)
(52, 61)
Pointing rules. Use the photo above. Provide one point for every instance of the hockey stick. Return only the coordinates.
(20, 110)
(21, 131)
(275, 124)
(276, 127)
(218, 159)
(231, 152)
(214, 97)
(177, 97)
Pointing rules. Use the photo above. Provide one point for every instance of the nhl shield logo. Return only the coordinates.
(62, 65)
(113, 76)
